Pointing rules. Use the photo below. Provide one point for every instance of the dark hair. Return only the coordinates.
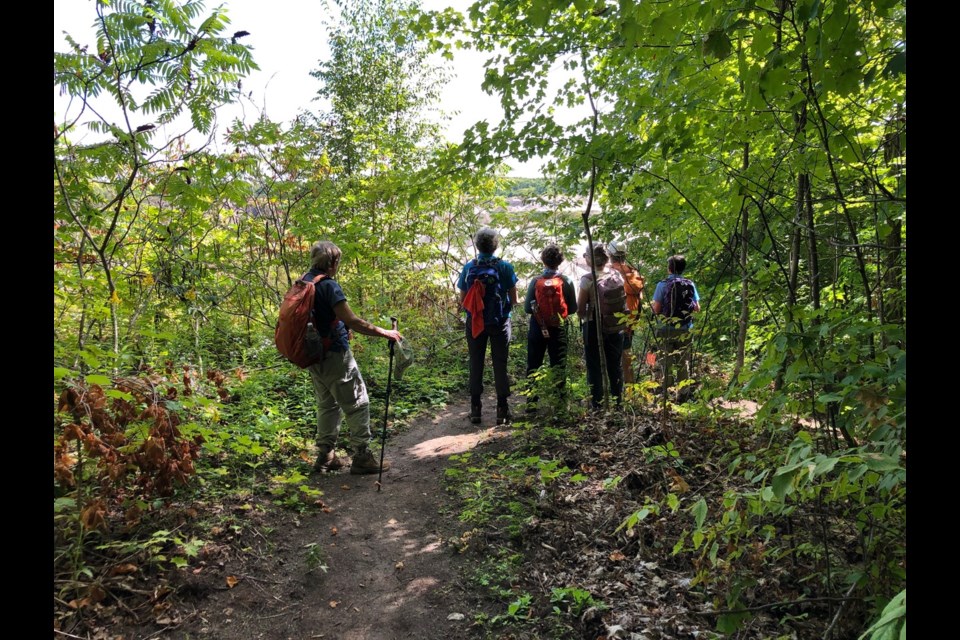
(551, 256)
(676, 264)
(600, 257)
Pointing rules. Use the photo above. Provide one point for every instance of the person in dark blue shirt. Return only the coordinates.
(337, 382)
(492, 325)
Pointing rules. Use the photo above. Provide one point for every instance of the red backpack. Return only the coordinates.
(551, 307)
(296, 337)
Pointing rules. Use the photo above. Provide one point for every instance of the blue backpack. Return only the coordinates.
(488, 273)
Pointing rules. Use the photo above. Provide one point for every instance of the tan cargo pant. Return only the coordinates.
(339, 387)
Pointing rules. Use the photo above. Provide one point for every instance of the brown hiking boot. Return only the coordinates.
(364, 462)
(327, 460)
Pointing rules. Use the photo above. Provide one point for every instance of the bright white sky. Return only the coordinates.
(288, 40)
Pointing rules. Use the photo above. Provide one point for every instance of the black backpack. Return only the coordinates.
(678, 301)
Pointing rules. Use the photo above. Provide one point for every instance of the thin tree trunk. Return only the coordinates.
(744, 284)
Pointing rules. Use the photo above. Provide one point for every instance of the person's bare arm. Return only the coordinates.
(358, 324)
(656, 306)
(583, 298)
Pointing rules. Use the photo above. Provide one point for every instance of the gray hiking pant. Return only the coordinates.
(339, 386)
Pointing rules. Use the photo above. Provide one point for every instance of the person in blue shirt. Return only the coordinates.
(337, 382)
(492, 323)
(675, 337)
(548, 339)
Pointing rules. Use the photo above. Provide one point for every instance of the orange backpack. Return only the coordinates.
(295, 336)
(551, 307)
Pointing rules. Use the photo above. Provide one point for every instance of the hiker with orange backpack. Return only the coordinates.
(633, 284)
(337, 382)
(608, 312)
(550, 299)
(488, 291)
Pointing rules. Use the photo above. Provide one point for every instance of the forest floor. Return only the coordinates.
(546, 554)
(367, 565)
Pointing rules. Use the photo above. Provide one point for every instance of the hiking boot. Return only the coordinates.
(475, 411)
(503, 414)
(327, 460)
(364, 462)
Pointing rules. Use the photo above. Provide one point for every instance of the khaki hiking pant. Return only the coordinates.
(339, 387)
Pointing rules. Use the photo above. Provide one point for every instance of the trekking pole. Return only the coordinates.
(386, 409)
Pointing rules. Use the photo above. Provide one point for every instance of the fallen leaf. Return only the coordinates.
(305, 456)
(616, 556)
(326, 509)
(333, 531)
(398, 566)
(677, 484)
(392, 521)
(123, 569)
(606, 455)
(455, 616)
(232, 581)
(345, 487)
(333, 604)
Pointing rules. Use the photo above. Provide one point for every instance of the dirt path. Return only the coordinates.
(389, 572)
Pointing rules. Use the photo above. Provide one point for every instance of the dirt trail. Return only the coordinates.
(389, 572)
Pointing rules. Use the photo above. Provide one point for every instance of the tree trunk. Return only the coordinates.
(744, 285)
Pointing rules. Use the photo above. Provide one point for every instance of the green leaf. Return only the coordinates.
(179, 562)
(539, 13)
(896, 65)
(717, 44)
(880, 462)
(783, 484)
(59, 373)
(699, 511)
(824, 466)
(116, 393)
(808, 10)
(673, 501)
(97, 379)
(63, 504)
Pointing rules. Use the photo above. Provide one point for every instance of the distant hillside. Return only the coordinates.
(523, 187)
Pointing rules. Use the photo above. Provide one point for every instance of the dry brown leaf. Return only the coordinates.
(333, 531)
(398, 566)
(333, 604)
(345, 487)
(123, 569)
(392, 521)
(616, 556)
(232, 581)
(305, 456)
(92, 517)
(606, 455)
(677, 484)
